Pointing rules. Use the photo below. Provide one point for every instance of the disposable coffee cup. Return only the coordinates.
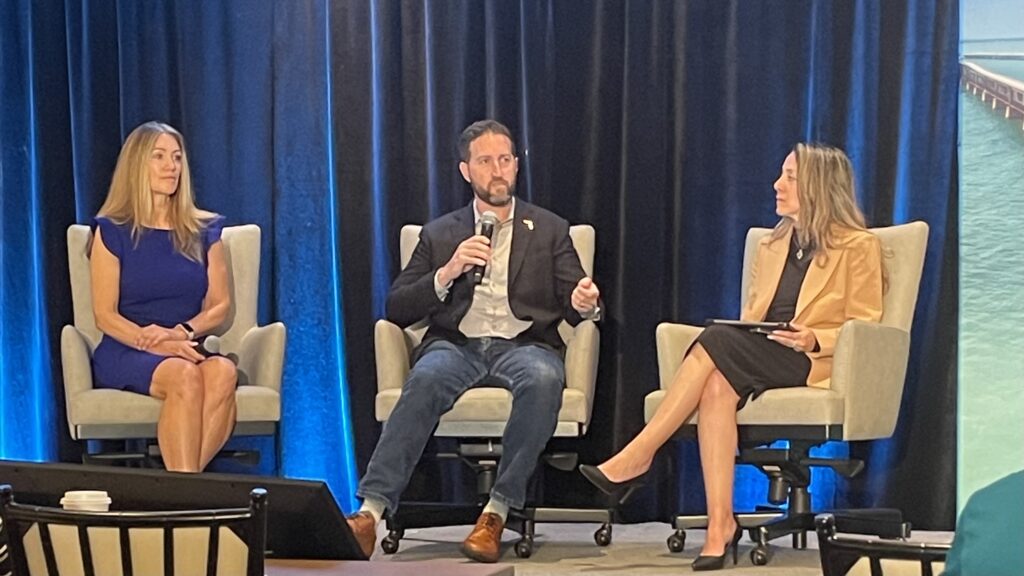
(86, 500)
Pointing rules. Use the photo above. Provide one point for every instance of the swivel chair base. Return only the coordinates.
(480, 458)
(523, 522)
(789, 475)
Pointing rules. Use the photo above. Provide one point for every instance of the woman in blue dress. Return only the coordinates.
(159, 280)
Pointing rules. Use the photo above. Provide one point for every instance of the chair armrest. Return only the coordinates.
(672, 341)
(868, 370)
(261, 356)
(76, 366)
(392, 354)
(581, 355)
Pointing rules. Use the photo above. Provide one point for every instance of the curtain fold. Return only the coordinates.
(332, 124)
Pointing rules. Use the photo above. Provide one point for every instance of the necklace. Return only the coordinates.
(800, 254)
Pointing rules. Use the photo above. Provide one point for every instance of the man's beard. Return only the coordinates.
(484, 194)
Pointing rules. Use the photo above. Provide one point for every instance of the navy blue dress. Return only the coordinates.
(158, 286)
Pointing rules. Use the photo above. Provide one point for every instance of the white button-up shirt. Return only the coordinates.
(490, 314)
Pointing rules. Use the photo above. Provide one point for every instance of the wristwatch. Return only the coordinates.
(190, 334)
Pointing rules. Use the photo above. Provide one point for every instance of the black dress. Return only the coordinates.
(751, 362)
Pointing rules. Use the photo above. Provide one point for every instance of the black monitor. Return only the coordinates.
(303, 519)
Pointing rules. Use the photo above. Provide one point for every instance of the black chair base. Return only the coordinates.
(150, 457)
(766, 524)
(762, 526)
(523, 522)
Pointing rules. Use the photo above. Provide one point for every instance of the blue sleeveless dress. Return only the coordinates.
(158, 286)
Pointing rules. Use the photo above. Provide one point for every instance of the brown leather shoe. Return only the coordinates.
(484, 543)
(365, 530)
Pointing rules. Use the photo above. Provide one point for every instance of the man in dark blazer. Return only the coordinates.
(500, 332)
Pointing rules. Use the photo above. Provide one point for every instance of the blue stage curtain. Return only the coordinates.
(663, 124)
(331, 124)
(248, 86)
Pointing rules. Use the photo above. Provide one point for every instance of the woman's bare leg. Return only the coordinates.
(717, 437)
(219, 380)
(680, 401)
(179, 383)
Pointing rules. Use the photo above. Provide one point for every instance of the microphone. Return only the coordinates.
(488, 221)
(209, 346)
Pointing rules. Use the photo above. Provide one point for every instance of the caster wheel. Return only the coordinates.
(524, 548)
(390, 542)
(603, 536)
(759, 556)
(676, 541)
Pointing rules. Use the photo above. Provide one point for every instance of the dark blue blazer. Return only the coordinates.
(543, 271)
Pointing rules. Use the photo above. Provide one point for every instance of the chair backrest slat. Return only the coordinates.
(126, 551)
(168, 551)
(47, 541)
(212, 550)
(86, 547)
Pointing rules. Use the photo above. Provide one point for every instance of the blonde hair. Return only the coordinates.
(826, 193)
(130, 198)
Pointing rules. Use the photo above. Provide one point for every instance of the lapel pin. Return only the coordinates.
(529, 223)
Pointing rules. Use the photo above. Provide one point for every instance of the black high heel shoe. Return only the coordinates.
(620, 491)
(703, 563)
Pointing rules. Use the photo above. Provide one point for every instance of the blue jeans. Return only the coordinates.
(535, 376)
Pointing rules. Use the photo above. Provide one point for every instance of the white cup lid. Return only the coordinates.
(85, 496)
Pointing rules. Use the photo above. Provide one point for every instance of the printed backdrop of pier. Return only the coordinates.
(996, 76)
(991, 440)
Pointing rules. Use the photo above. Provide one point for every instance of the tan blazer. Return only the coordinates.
(842, 283)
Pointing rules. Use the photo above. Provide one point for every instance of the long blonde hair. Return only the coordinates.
(826, 192)
(130, 198)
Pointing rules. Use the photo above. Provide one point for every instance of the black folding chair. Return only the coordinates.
(249, 524)
(842, 542)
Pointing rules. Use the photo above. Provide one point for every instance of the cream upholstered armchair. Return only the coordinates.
(479, 416)
(103, 414)
(863, 403)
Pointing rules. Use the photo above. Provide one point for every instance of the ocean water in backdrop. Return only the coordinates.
(991, 355)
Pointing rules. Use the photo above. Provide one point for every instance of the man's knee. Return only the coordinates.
(547, 376)
(435, 382)
(542, 375)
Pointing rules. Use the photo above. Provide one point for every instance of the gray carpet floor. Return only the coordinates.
(569, 549)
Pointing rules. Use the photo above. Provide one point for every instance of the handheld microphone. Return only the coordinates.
(488, 221)
(209, 346)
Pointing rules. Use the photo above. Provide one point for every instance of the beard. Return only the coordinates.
(498, 192)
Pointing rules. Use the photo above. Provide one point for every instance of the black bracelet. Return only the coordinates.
(189, 331)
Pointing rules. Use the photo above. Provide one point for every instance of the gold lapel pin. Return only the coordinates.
(529, 223)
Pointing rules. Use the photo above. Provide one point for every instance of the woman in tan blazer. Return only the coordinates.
(819, 268)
